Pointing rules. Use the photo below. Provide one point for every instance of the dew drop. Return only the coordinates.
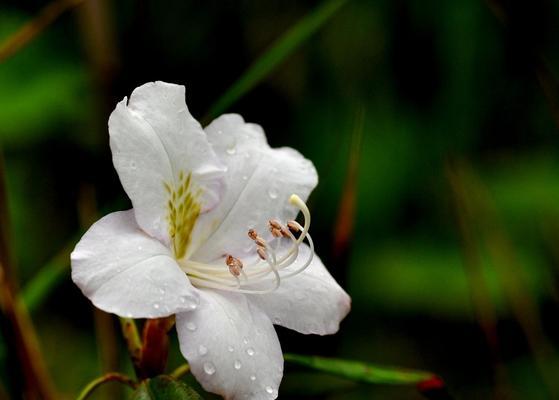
(140, 248)
(162, 291)
(245, 340)
(273, 193)
(253, 378)
(128, 315)
(250, 351)
(133, 165)
(209, 368)
(277, 321)
(230, 349)
(238, 364)
(202, 350)
(231, 150)
(245, 178)
(269, 389)
(156, 306)
(191, 326)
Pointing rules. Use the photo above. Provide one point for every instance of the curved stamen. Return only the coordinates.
(237, 276)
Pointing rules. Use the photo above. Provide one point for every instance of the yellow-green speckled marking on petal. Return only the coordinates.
(183, 210)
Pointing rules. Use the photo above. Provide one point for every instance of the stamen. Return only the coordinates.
(252, 234)
(260, 242)
(276, 232)
(235, 265)
(293, 226)
(270, 259)
(274, 223)
(261, 253)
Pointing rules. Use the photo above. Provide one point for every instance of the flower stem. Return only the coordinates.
(180, 371)
(109, 377)
(133, 342)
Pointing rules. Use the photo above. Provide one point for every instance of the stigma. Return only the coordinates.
(272, 258)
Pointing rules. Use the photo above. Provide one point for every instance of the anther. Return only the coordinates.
(274, 224)
(252, 234)
(293, 226)
(235, 265)
(262, 253)
(276, 232)
(260, 242)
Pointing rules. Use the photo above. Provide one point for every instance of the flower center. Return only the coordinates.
(183, 210)
(265, 274)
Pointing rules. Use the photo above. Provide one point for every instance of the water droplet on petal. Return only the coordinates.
(231, 150)
(156, 306)
(253, 378)
(277, 321)
(238, 364)
(269, 389)
(230, 349)
(273, 193)
(162, 291)
(245, 178)
(209, 368)
(133, 165)
(202, 350)
(191, 326)
(250, 351)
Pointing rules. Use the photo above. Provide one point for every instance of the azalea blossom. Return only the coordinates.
(213, 238)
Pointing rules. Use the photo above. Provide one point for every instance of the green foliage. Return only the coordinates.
(279, 51)
(361, 372)
(42, 89)
(164, 388)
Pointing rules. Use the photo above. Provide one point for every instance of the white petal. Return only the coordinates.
(124, 271)
(154, 140)
(310, 302)
(260, 181)
(231, 346)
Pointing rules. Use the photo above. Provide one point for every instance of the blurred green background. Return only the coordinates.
(434, 129)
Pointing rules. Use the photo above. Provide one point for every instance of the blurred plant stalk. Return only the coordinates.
(345, 222)
(33, 28)
(485, 312)
(29, 375)
(475, 200)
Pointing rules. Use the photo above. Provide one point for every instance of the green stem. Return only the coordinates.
(110, 377)
(133, 341)
(181, 371)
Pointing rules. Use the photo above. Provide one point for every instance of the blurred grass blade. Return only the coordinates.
(278, 52)
(362, 372)
(34, 27)
(51, 274)
(343, 229)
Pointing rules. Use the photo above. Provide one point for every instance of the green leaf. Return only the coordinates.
(164, 388)
(280, 50)
(361, 372)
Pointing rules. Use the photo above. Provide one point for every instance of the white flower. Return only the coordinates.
(185, 249)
